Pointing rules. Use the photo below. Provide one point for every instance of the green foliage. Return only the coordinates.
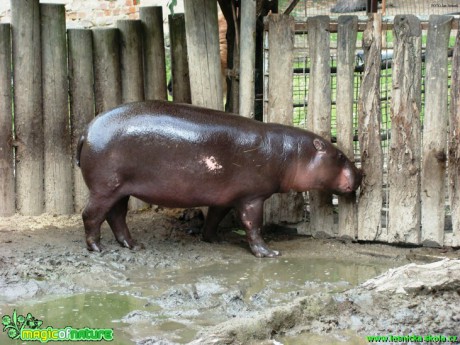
(171, 5)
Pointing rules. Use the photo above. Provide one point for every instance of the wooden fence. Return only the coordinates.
(58, 79)
(411, 187)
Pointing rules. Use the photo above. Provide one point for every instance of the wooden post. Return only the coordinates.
(405, 153)
(281, 207)
(81, 86)
(346, 45)
(132, 81)
(247, 58)
(180, 74)
(454, 146)
(203, 53)
(107, 74)
(27, 74)
(319, 115)
(434, 153)
(7, 200)
(371, 195)
(154, 52)
(58, 169)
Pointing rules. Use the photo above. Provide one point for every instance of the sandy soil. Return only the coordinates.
(46, 255)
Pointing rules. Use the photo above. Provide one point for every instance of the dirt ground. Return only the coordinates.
(46, 256)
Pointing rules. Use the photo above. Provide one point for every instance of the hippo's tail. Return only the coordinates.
(79, 146)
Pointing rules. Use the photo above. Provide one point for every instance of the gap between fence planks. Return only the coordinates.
(405, 153)
(346, 45)
(434, 153)
(319, 116)
(287, 207)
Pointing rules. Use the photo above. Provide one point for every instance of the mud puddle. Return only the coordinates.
(182, 290)
(175, 305)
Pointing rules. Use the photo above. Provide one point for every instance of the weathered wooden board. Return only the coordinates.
(434, 150)
(247, 58)
(7, 190)
(28, 110)
(203, 53)
(81, 88)
(346, 45)
(454, 146)
(154, 52)
(319, 115)
(58, 162)
(288, 207)
(107, 72)
(370, 198)
(405, 150)
(180, 75)
(131, 61)
(132, 73)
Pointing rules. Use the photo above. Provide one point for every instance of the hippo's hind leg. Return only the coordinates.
(213, 218)
(251, 215)
(93, 216)
(117, 221)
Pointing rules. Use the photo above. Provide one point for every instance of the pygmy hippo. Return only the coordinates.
(178, 155)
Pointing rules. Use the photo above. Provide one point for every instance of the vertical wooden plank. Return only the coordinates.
(346, 46)
(107, 73)
(154, 52)
(371, 197)
(319, 115)
(203, 53)
(58, 169)
(81, 87)
(434, 153)
(454, 145)
(405, 153)
(27, 74)
(132, 81)
(7, 193)
(179, 59)
(247, 58)
(286, 207)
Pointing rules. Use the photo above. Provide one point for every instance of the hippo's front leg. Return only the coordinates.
(251, 215)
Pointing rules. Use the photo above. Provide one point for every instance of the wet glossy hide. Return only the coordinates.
(185, 156)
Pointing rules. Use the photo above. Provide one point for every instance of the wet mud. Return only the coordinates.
(181, 290)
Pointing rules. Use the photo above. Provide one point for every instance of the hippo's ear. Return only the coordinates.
(319, 145)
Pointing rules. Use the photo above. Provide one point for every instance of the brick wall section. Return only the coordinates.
(89, 13)
(102, 12)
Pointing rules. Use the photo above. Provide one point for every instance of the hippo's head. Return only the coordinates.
(324, 167)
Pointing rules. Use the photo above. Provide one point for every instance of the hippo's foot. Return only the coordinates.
(210, 237)
(130, 244)
(261, 250)
(94, 246)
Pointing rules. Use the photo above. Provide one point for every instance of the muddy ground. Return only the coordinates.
(183, 290)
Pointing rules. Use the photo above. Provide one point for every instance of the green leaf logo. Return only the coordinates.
(14, 324)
